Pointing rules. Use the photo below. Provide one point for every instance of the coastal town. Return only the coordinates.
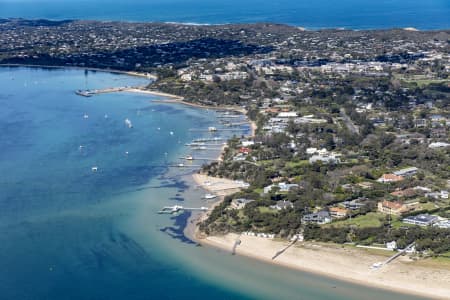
(351, 141)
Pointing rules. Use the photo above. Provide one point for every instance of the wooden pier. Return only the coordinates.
(177, 208)
(90, 93)
(379, 265)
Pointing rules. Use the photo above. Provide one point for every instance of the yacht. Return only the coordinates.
(128, 123)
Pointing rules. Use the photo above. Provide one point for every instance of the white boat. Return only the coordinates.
(94, 169)
(188, 157)
(212, 128)
(209, 196)
(85, 116)
(128, 123)
(376, 265)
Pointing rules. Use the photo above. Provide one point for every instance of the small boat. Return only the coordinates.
(212, 128)
(209, 196)
(171, 133)
(376, 265)
(83, 93)
(94, 169)
(188, 157)
(128, 123)
(85, 116)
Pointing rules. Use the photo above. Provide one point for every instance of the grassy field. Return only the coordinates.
(300, 163)
(369, 220)
(421, 80)
(267, 210)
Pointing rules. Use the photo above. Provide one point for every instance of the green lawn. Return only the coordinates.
(300, 163)
(267, 210)
(369, 220)
(427, 206)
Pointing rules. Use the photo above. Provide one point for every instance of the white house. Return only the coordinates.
(284, 187)
(287, 114)
(247, 143)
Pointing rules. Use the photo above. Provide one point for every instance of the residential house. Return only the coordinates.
(438, 145)
(392, 208)
(326, 159)
(421, 220)
(411, 192)
(245, 150)
(284, 187)
(247, 143)
(338, 212)
(353, 204)
(406, 172)
(240, 203)
(443, 224)
(321, 217)
(287, 114)
(386, 178)
(282, 204)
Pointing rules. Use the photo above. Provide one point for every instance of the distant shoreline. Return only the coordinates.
(302, 27)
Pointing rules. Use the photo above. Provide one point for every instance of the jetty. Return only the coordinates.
(378, 265)
(90, 93)
(236, 243)
(185, 166)
(177, 208)
(285, 248)
(213, 131)
(198, 158)
(229, 116)
(200, 140)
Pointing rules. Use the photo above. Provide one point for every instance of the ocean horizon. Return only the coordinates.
(349, 14)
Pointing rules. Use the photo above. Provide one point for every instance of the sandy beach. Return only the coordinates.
(425, 278)
(345, 263)
(218, 186)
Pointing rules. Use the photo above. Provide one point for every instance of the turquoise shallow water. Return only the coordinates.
(356, 14)
(69, 233)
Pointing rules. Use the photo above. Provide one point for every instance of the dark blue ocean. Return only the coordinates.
(67, 232)
(355, 14)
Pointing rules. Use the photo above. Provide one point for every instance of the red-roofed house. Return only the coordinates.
(337, 212)
(392, 208)
(390, 178)
(245, 150)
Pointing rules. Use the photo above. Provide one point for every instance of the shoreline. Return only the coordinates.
(113, 71)
(400, 276)
(224, 244)
(172, 98)
(334, 261)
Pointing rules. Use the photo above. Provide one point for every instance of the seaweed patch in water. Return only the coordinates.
(177, 231)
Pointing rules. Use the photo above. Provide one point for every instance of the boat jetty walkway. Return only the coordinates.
(90, 93)
(378, 265)
(177, 208)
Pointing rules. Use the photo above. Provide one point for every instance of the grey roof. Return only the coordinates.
(423, 218)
